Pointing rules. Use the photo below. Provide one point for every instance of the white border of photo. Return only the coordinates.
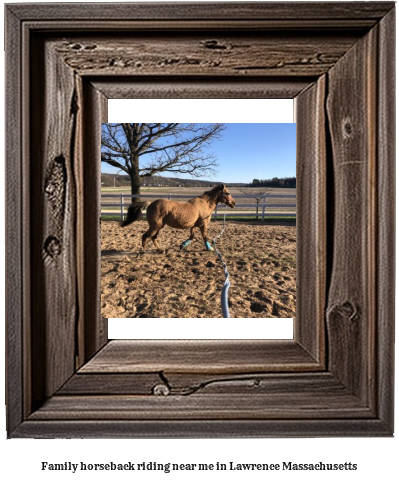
(201, 111)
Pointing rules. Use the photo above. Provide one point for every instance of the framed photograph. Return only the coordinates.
(65, 378)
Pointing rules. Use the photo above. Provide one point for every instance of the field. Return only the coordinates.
(191, 190)
(261, 260)
(244, 209)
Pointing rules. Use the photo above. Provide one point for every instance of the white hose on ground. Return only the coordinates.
(226, 285)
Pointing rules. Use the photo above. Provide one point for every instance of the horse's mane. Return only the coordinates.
(214, 191)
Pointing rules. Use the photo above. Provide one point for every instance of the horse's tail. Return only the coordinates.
(134, 212)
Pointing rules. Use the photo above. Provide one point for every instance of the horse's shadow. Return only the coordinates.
(115, 254)
(110, 252)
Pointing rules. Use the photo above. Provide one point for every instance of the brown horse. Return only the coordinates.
(191, 214)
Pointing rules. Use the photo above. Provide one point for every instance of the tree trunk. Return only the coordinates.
(135, 183)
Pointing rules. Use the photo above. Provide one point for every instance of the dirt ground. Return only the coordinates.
(260, 259)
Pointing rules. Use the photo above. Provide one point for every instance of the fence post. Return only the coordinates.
(122, 207)
(263, 208)
(215, 214)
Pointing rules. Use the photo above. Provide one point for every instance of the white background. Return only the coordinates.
(21, 459)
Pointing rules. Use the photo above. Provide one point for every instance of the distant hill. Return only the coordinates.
(112, 180)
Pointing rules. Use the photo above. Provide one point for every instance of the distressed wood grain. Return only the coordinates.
(53, 206)
(256, 397)
(95, 329)
(311, 219)
(200, 356)
(386, 200)
(311, 164)
(185, 384)
(216, 55)
(351, 109)
(178, 87)
(15, 218)
(125, 384)
(201, 407)
(189, 428)
(360, 14)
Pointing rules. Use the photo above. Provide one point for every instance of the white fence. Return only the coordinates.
(268, 205)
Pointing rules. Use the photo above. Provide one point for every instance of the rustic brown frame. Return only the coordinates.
(336, 376)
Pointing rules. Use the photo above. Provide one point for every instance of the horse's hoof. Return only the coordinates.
(185, 244)
(209, 247)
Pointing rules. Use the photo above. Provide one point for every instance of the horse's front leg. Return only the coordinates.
(187, 242)
(204, 230)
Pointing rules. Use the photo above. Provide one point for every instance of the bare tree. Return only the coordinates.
(258, 195)
(146, 149)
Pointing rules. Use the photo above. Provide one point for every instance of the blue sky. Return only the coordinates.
(250, 151)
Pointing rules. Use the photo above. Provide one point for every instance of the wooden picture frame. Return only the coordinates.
(335, 378)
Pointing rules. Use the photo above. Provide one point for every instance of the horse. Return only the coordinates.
(195, 213)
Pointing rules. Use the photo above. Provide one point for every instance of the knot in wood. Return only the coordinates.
(213, 44)
(348, 311)
(52, 246)
(161, 390)
(347, 128)
(50, 189)
(90, 47)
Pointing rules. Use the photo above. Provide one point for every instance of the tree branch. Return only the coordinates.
(175, 148)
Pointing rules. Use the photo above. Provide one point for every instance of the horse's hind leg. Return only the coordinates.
(152, 233)
(144, 241)
(148, 234)
(154, 241)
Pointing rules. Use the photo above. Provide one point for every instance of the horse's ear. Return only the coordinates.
(223, 187)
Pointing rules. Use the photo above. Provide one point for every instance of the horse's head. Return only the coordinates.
(225, 197)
